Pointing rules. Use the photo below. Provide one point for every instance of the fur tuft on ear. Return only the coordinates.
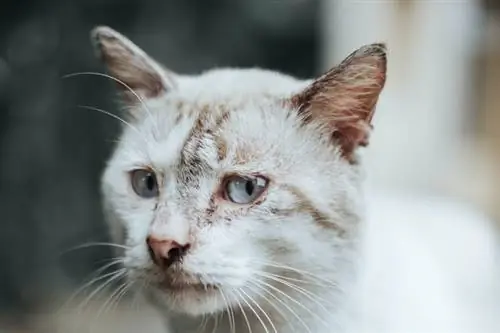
(130, 65)
(344, 98)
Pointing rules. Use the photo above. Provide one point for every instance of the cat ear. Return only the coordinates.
(344, 98)
(129, 64)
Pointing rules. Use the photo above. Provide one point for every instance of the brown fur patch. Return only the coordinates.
(214, 130)
(242, 156)
(211, 206)
(304, 205)
(209, 120)
(221, 148)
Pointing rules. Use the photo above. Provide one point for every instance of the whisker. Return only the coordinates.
(261, 310)
(252, 309)
(293, 300)
(122, 294)
(137, 292)
(112, 115)
(305, 292)
(216, 323)
(106, 306)
(299, 271)
(139, 98)
(92, 244)
(117, 274)
(233, 321)
(202, 324)
(230, 312)
(309, 282)
(279, 310)
(94, 280)
(244, 315)
(258, 285)
(135, 129)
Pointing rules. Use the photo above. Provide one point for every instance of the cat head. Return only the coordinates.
(227, 183)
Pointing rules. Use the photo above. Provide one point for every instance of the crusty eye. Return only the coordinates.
(244, 190)
(144, 183)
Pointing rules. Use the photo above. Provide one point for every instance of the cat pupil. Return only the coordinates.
(249, 187)
(244, 190)
(150, 183)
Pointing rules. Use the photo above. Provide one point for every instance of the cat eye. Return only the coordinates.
(144, 183)
(244, 190)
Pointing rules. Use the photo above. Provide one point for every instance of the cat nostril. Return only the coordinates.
(176, 253)
(165, 252)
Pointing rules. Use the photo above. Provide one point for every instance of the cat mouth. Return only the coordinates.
(187, 286)
(200, 287)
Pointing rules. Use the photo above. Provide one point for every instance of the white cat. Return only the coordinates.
(237, 196)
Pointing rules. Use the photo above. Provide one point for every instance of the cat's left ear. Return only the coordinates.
(130, 65)
(344, 98)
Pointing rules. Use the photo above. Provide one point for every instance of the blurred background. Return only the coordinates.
(436, 132)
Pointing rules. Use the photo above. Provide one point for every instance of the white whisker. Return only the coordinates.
(124, 291)
(278, 309)
(303, 281)
(258, 285)
(216, 323)
(135, 129)
(230, 312)
(294, 301)
(203, 324)
(298, 271)
(315, 298)
(139, 98)
(94, 280)
(92, 244)
(104, 307)
(261, 310)
(244, 315)
(117, 274)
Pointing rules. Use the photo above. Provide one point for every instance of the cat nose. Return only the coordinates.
(165, 252)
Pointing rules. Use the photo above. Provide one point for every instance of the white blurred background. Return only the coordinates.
(426, 135)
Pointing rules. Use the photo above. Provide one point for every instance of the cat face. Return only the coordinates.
(227, 185)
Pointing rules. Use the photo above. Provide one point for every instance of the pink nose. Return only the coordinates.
(165, 252)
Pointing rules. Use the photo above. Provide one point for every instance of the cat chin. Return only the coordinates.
(190, 301)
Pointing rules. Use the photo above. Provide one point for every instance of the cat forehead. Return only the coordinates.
(231, 85)
(221, 113)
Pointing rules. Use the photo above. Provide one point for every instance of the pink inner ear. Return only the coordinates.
(345, 98)
(350, 136)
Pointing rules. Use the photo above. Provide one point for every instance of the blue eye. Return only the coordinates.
(244, 190)
(144, 183)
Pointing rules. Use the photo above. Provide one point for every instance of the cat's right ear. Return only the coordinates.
(134, 71)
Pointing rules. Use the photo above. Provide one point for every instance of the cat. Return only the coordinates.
(237, 194)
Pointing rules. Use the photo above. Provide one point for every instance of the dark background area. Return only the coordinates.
(52, 153)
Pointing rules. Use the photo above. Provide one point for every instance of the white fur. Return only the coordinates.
(233, 255)
(403, 285)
